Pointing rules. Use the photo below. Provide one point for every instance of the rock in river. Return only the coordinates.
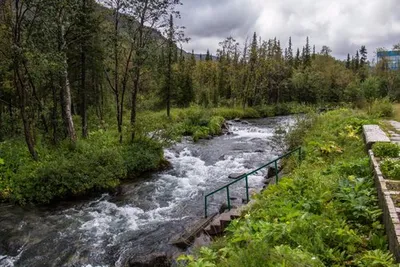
(235, 175)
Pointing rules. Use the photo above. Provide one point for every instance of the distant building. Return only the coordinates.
(391, 57)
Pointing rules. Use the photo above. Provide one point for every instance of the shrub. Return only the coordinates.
(200, 132)
(383, 150)
(381, 108)
(266, 111)
(215, 125)
(142, 156)
(94, 164)
(67, 175)
(321, 214)
(295, 137)
(375, 258)
(391, 168)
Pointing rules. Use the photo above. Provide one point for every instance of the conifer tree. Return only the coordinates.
(297, 60)
(313, 53)
(307, 53)
(290, 53)
(357, 61)
(208, 56)
(348, 62)
(364, 56)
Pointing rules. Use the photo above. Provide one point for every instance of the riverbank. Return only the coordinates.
(324, 213)
(99, 163)
(147, 213)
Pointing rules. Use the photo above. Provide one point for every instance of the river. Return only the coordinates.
(148, 213)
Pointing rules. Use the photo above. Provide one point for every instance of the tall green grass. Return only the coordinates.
(324, 213)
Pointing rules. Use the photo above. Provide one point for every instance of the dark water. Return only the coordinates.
(107, 231)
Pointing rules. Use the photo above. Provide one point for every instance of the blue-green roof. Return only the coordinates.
(388, 53)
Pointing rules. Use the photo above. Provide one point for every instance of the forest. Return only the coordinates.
(91, 93)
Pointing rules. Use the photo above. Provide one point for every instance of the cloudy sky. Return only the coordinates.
(343, 25)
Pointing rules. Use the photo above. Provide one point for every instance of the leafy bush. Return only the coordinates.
(357, 201)
(296, 136)
(142, 156)
(383, 150)
(381, 108)
(232, 113)
(95, 164)
(324, 213)
(358, 167)
(391, 168)
(200, 132)
(375, 258)
(64, 175)
(215, 125)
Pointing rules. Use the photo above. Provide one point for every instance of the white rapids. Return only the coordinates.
(148, 213)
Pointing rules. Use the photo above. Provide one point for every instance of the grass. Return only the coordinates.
(396, 111)
(324, 213)
(100, 162)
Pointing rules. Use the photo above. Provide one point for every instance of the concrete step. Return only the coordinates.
(219, 224)
(186, 238)
(215, 227)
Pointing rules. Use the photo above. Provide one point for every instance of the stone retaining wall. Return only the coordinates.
(390, 212)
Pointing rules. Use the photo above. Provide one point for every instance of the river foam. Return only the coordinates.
(144, 218)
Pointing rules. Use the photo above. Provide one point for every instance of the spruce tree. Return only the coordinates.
(313, 52)
(297, 60)
(290, 52)
(357, 61)
(364, 56)
(307, 53)
(348, 62)
(171, 54)
(208, 56)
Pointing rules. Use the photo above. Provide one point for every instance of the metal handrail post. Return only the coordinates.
(205, 206)
(276, 172)
(246, 177)
(229, 199)
(247, 189)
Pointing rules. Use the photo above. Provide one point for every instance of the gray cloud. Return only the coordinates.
(344, 25)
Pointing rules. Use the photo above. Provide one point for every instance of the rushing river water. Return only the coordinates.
(148, 214)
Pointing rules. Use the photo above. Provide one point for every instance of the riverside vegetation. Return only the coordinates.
(99, 162)
(100, 71)
(324, 213)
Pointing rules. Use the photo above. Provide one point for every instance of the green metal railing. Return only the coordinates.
(246, 177)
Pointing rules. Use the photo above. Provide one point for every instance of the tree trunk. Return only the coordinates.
(28, 134)
(22, 98)
(54, 115)
(135, 90)
(1, 122)
(83, 77)
(119, 117)
(83, 95)
(20, 83)
(169, 80)
(65, 86)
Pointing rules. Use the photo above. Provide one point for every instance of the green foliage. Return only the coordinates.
(383, 150)
(215, 124)
(381, 108)
(303, 125)
(391, 168)
(375, 258)
(370, 88)
(356, 199)
(324, 213)
(95, 164)
(142, 156)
